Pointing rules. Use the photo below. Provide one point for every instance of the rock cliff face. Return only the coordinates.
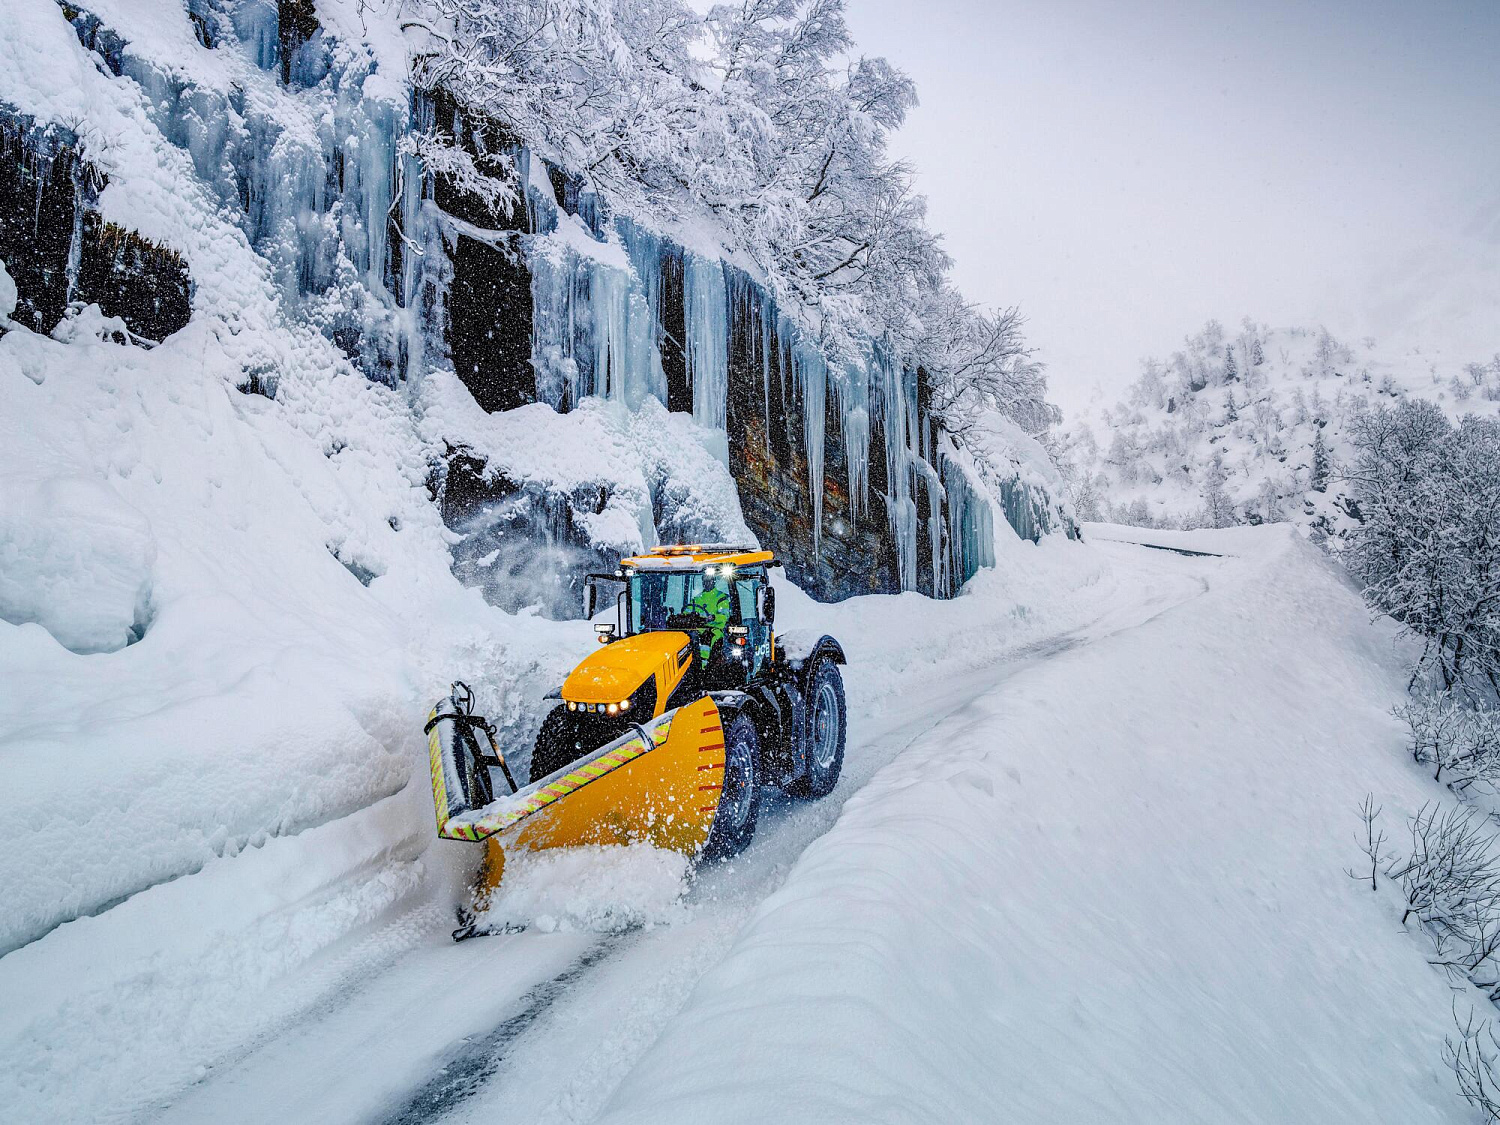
(58, 249)
(552, 299)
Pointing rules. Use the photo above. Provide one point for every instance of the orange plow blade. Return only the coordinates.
(658, 784)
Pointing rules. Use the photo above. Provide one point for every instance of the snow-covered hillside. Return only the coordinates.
(1251, 426)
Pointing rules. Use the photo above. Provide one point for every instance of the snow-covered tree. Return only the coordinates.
(1428, 547)
(760, 116)
(977, 361)
(1218, 509)
(1320, 465)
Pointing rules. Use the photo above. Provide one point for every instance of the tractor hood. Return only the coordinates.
(616, 670)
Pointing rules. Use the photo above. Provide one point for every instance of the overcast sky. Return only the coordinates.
(1125, 169)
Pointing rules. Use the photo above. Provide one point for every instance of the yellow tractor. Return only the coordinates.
(667, 732)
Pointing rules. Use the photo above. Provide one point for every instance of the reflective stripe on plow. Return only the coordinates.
(483, 827)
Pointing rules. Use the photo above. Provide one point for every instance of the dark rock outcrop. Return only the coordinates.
(60, 251)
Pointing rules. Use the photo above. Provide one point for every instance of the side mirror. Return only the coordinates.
(767, 607)
(588, 599)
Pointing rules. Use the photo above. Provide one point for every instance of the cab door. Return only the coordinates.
(746, 602)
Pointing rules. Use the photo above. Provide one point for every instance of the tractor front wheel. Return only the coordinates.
(739, 799)
(556, 744)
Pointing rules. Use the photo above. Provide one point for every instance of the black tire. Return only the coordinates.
(556, 744)
(827, 728)
(739, 799)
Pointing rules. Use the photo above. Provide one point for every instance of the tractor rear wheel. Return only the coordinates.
(739, 799)
(825, 733)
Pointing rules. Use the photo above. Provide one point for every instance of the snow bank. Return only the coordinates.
(1111, 890)
(76, 559)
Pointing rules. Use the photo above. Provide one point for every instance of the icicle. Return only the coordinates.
(971, 521)
(934, 487)
(420, 249)
(259, 27)
(897, 404)
(591, 211)
(609, 295)
(75, 241)
(854, 419)
(644, 372)
(812, 376)
(766, 313)
(553, 286)
(707, 316)
(365, 138)
(541, 199)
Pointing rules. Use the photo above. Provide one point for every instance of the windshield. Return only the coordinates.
(656, 596)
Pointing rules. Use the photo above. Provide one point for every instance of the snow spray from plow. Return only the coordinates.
(660, 783)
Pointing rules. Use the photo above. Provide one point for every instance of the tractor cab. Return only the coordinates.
(720, 597)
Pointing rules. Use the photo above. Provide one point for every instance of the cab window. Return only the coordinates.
(654, 597)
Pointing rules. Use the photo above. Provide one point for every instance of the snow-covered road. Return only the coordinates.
(544, 1026)
(1085, 864)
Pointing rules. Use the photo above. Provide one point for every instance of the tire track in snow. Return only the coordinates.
(474, 1065)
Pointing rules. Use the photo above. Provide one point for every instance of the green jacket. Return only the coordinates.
(714, 604)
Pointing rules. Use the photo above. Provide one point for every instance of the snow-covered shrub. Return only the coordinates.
(1475, 1060)
(1451, 885)
(76, 559)
(1427, 547)
(1451, 878)
(1461, 742)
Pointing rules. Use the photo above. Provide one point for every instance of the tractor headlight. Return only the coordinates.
(624, 705)
(572, 706)
(614, 708)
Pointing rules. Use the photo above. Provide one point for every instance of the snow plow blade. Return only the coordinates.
(659, 783)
